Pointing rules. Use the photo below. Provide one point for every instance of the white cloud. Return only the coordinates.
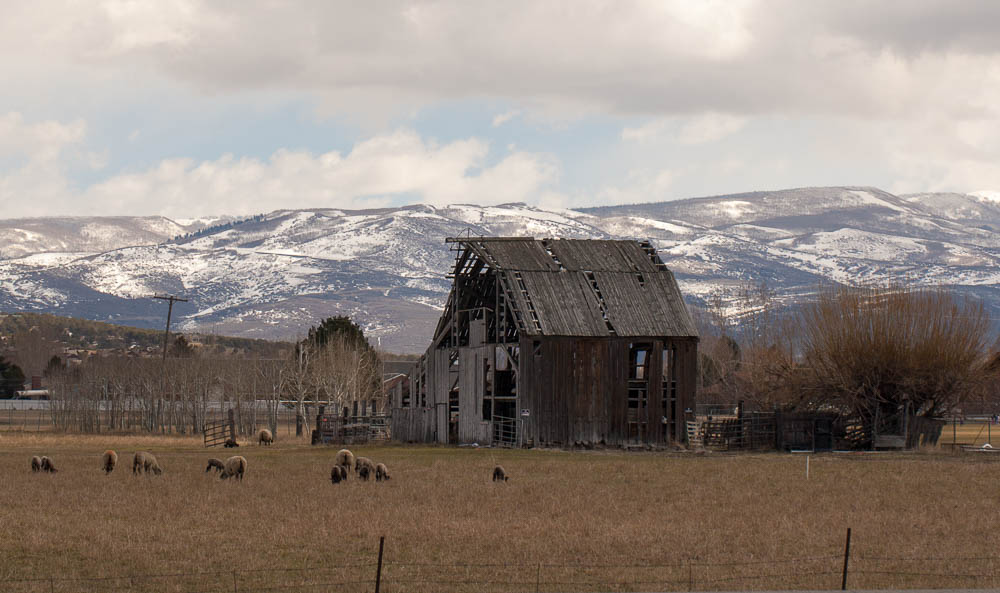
(709, 128)
(700, 129)
(502, 118)
(641, 186)
(374, 172)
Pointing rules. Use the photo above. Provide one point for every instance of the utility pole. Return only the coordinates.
(166, 334)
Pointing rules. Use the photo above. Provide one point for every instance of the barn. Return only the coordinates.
(554, 342)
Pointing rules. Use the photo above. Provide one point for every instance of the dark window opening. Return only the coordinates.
(487, 409)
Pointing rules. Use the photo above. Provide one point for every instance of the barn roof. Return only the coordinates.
(585, 287)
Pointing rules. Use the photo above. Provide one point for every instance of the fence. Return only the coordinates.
(37, 416)
(825, 568)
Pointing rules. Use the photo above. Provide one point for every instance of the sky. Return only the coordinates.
(198, 108)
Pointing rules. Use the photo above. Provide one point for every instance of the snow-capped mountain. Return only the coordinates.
(277, 274)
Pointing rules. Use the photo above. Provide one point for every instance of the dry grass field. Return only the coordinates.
(566, 521)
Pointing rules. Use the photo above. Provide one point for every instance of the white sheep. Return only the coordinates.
(36, 464)
(363, 462)
(344, 458)
(236, 466)
(108, 461)
(145, 462)
(216, 464)
(47, 465)
(381, 472)
(264, 437)
(499, 475)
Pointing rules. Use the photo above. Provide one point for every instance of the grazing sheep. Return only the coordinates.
(364, 472)
(36, 463)
(236, 466)
(335, 474)
(344, 458)
(499, 475)
(361, 462)
(216, 463)
(145, 462)
(381, 472)
(230, 443)
(47, 465)
(264, 437)
(108, 461)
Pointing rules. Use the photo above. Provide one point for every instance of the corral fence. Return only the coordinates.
(731, 427)
(350, 430)
(826, 568)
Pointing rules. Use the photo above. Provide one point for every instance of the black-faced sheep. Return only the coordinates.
(145, 462)
(381, 472)
(215, 463)
(264, 437)
(108, 461)
(236, 466)
(230, 443)
(336, 475)
(344, 458)
(36, 463)
(364, 472)
(343, 472)
(362, 462)
(499, 475)
(47, 465)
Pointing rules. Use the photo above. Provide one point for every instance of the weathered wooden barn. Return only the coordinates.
(556, 342)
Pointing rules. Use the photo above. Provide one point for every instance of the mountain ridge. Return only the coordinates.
(274, 275)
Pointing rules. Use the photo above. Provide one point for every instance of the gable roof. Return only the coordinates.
(586, 287)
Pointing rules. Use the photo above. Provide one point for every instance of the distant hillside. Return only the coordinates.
(96, 335)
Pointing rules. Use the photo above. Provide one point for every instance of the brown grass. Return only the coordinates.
(566, 521)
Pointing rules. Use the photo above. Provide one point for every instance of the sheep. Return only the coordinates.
(236, 466)
(499, 475)
(145, 462)
(264, 437)
(362, 462)
(108, 461)
(343, 473)
(381, 472)
(337, 474)
(36, 463)
(344, 458)
(364, 472)
(230, 443)
(47, 465)
(215, 463)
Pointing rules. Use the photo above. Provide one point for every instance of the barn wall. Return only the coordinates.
(576, 390)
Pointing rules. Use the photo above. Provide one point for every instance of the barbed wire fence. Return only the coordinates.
(823, 569)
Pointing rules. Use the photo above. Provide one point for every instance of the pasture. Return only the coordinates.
(581, 521)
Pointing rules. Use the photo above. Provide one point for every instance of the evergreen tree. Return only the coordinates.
(11, 378)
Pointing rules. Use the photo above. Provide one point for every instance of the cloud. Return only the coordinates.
(709, 128)
(675, 57)
(701, 129)
(375, 172)
(502, 118)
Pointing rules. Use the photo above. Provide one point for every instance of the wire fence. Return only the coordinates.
(822, 571)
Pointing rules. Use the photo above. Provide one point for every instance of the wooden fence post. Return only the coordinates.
(378, 572)
(847, 556)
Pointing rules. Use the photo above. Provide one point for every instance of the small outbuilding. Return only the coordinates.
(555, 342)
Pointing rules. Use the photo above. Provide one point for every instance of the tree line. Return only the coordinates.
(874, 353)
(333, 365)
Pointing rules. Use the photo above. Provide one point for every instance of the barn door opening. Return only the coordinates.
(638, 392)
